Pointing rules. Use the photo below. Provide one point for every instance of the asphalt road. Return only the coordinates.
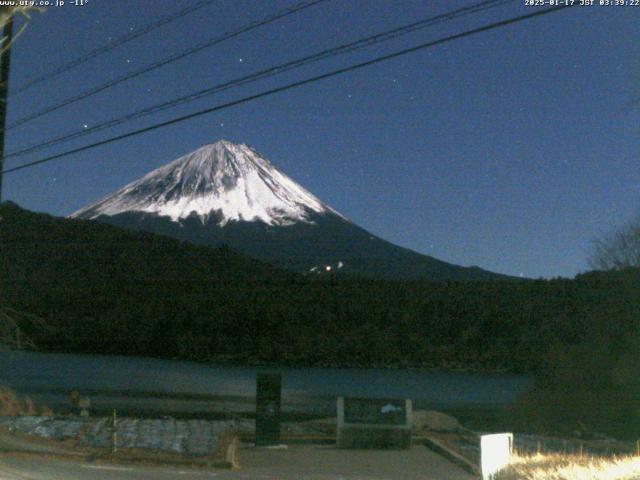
(301, 462)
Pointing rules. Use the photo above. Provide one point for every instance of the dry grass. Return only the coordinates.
(28, 407)
(11, 405)
(45, 411)
(570, 467)
(226, 454)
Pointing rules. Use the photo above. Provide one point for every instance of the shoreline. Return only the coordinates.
(253, 363)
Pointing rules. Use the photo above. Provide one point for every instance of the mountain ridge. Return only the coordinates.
(226, 193)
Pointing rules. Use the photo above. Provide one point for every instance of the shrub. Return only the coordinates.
(11, 405)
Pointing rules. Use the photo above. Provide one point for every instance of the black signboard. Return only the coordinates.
(268, 396)
(375, 411)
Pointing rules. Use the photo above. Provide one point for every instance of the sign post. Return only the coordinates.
(268, 399)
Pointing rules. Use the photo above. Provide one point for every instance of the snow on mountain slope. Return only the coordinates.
(227, 194)
(224, 179)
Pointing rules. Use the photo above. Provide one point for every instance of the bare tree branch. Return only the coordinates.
(618, 250)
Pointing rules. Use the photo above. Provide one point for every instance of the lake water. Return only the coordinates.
(170, 386)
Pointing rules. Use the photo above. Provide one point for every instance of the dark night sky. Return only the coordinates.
(510, 149)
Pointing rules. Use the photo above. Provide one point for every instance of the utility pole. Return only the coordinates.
(5, 61)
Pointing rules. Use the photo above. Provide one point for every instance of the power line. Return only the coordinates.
(114, 44)
(333, 73)
(269, 72)
(166, 61)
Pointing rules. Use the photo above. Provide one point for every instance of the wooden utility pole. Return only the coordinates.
(114, 433)
(5, 62)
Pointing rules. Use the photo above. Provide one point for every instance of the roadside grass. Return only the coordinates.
(11, 405)
(570, 467)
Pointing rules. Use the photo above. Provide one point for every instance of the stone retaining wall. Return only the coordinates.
(190, 437)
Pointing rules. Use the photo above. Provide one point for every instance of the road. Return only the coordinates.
(300, 462)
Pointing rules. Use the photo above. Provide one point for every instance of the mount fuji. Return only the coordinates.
(227, 194)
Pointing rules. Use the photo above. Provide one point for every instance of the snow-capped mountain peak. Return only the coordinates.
(229, 180)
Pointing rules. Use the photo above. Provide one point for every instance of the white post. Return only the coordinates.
(495, 453)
